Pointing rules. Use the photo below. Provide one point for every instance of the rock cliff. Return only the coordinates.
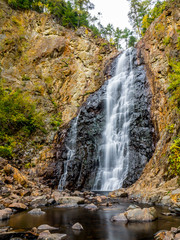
(156, 53)
(57, 67)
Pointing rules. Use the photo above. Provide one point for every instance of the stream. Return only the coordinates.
(96, 224)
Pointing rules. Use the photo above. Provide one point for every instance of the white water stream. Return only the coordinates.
(114, 153)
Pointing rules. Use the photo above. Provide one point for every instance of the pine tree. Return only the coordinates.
(138, 9)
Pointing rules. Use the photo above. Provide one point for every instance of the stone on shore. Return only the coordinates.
(119, 218)
(18, 206)
(91, 207)
(36, 211)
(141, 215)
(5, 213)
(77, 226)
(46, 235)
(46, 227)
(70, 200)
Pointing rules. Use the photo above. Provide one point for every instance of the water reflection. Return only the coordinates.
(97, 225)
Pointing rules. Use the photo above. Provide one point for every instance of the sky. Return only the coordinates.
(113, 11)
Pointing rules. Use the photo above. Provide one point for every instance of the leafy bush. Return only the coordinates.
(174, 158)
(18, 119)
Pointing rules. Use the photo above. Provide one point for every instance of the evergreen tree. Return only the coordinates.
(138, 9)
(118, 37)
(132, 41)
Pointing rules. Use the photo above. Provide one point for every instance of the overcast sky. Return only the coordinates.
(113, 11)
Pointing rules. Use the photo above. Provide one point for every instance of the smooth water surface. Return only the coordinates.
(97, 225)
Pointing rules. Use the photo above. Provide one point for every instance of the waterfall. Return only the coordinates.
(108, 144)
(114, 152)
(71, 150)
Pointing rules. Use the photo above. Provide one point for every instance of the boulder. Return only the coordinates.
(131, 207)
(77, 226)
(18, 206)
(67, 206)
(119, 218)
(70, 200)
(17, 175)
(5, 213)
(91, 207)
(46, 227)
(46, 235)
(141, 215)
(39, 201)
(36, 211)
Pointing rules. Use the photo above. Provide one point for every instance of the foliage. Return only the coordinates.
(174, 86)
(56, 120)
(174, 157)
(18, 119)
(138, 9)
(153, 14)
(132, 41)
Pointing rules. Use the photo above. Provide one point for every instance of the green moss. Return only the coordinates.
(6, 152)
(174, 158)
(56, 120)
(170, 128)
(166, 40)
(174, 83)
(25, 78)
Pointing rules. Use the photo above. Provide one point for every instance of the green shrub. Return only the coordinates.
(174, 158)
(18, 119)
(6, 152)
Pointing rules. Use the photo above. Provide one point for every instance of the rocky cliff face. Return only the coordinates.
(58, 68)
(156, 53)
(79, 151)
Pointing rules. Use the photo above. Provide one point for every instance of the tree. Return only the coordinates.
(118, 37)
(125, 35)
(109, 30)
(138, 9)
(132, 41)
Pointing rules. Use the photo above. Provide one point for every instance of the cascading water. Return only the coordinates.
(114, 153)
(71, 150)
(108, 144)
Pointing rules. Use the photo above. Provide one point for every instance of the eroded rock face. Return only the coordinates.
(80, 144)
(156, 182)
(57, 67)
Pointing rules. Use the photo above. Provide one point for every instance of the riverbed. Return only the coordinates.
(97, 224)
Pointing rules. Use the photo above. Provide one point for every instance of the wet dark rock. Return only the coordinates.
(51, 201)
(19, 235)
(2, 206)
(83, 167)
